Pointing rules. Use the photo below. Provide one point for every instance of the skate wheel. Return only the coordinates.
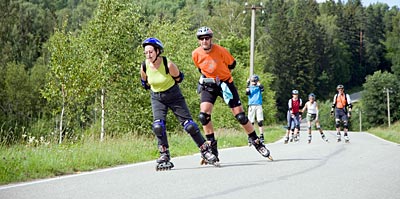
(270, 158)
(203, 162)
(216, 164)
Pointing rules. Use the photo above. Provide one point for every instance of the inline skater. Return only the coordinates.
(311, 107)
(341, 107)
(161, 76)
(215, 64)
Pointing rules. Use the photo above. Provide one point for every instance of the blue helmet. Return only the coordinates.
(312, 95)
(156, 43)
(255, 78)
(295, 92)
(204, 31)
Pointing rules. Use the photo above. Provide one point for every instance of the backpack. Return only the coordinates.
(165, 61)
(347, 98)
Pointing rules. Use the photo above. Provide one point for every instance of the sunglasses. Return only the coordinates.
(204, 38)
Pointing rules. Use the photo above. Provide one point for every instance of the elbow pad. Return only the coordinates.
(233, 65)
(179, 78)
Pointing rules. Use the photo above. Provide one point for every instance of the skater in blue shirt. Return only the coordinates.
(255, 111)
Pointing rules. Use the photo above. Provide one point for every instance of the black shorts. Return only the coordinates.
(211, 95)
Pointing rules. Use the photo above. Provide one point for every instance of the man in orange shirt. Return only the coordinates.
(342, 107)
(215, 64)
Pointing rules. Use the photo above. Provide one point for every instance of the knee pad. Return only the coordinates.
(190, 127)
(242, 118)
(318, 127)
(260, 123)
(337, 123)
(204, 118)
(345, 124)
(159, 127)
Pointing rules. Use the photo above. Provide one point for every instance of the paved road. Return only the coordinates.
(368, 167)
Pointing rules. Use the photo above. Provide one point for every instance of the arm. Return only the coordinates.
(261, 86)
(175, 73)
(143, 78)
(305, 107)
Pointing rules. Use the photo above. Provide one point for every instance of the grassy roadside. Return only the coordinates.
(391, 134)
(23, 162)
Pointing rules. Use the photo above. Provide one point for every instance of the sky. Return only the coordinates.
(389, 2)
(365, 3)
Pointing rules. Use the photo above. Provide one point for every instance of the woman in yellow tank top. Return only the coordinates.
(161, 77)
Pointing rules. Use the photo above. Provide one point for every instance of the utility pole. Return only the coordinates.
(253, 27)
(388, 90)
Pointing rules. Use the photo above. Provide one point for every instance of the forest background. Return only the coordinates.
(70, 68)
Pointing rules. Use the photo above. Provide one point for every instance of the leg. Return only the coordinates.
(345, 130)
(309, 123)
(260, 119)
(318, 126)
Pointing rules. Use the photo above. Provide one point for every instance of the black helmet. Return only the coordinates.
(255, 78)
(156, 43)
(204, 31)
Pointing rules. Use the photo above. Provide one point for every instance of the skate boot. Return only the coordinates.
(207, 156)
(324, 137)
(262, 138)
(346, 139)
(260, 147)
(286, 140)
(163, 162)
(339, 139)
(309, 139)
(214, 149)
(296, 138)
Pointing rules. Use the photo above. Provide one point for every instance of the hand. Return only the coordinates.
(145, 84)
(331, 113)
(349, 114)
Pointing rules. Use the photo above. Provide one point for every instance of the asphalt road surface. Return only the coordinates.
(367, 167)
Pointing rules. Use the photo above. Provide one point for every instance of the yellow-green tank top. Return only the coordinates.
(158, 79)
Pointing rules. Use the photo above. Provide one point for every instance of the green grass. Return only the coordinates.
(390, 134)
(26, 162)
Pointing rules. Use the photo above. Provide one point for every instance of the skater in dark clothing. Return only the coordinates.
(161, 77)
(294, 117)
(215, 64)
(341, 107)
